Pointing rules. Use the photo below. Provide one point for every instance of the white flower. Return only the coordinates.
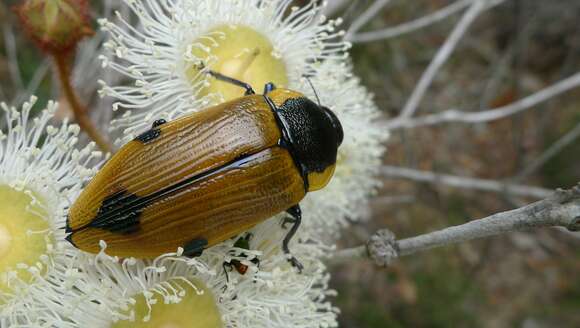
(229, 36)
(40, 174)
(161, 292)
(63, 287)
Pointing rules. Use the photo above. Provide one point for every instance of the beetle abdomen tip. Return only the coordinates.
(69, 239)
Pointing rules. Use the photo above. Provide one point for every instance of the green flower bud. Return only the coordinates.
(56, 26)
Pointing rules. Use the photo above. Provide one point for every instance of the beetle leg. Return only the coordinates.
(227, 79)
(296, 213)
(226, 271)
(288, 220)
(195, 247)
(269, 87)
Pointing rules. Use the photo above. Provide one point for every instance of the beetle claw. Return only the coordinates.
(295, 263)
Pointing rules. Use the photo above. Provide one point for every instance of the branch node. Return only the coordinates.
(563, 196)
(382, 248)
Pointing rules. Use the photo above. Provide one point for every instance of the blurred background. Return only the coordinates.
(434, 175)
(527, 279)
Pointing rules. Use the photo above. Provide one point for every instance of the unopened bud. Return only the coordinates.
(55, 25)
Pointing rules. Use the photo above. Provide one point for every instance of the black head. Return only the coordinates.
(314, 133)
(335, 124)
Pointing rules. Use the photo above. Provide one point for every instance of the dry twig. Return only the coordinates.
(552, 151)
(411, 26)
(454, 115)
(465, 182)
(441, 57)
(561, 209)
(365, 17)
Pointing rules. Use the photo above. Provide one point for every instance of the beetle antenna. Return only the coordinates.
(312, 86)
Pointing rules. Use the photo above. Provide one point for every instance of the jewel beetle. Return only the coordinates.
(206, 177)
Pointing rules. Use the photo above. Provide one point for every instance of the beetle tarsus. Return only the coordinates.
(195, 247)
(295, 263)
(296, 214)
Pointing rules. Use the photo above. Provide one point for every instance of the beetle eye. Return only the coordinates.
(335, 124)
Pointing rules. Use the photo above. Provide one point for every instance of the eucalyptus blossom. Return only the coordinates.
(41, 173)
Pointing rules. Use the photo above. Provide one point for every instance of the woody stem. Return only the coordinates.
(80, 112)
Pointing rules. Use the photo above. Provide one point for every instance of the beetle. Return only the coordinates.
(206, 177)
(243, 243)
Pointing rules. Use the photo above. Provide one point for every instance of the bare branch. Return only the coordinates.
(552, 151)
(454, 115)
(465, 182)
(441, 57)
(561, 209)
(410, 26)
(365, 17)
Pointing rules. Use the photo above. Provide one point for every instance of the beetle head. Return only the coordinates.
(335, 124)
(314, 133)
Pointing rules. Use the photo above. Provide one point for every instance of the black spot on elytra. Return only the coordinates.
(148, 135)
(195, 247)
(117, 215)
(158, 123)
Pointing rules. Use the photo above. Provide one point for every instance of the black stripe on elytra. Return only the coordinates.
(124, 223)
(120, 212)
(286, 142)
